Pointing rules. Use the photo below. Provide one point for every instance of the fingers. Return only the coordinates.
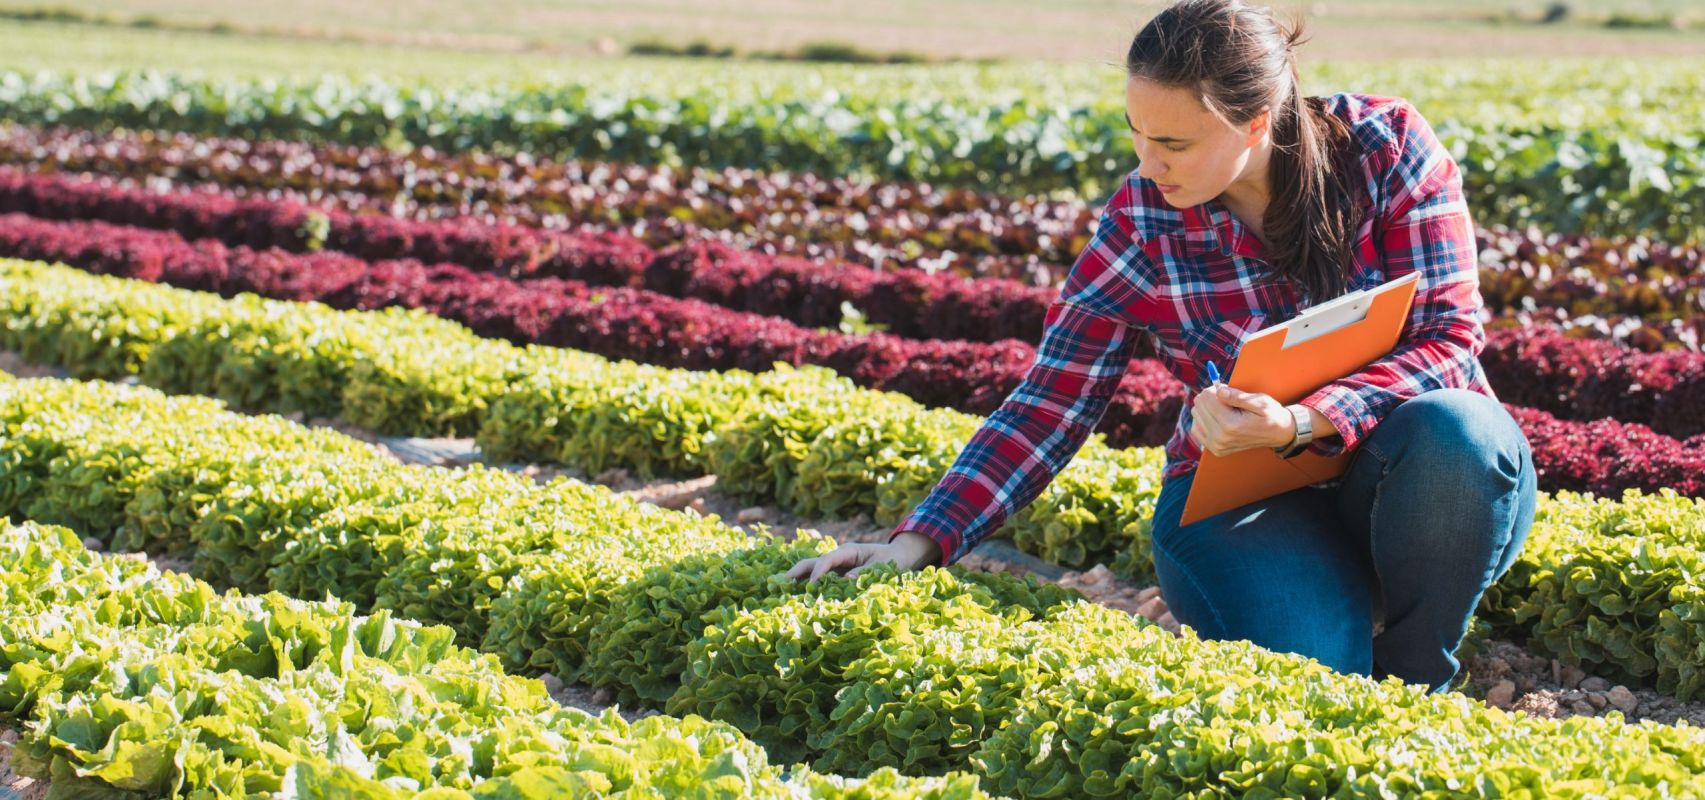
(1252, 402)
(1229, 399)
(826, 563)
(1233, 398)
(1226, 429)
(849, 560)
(1204, 429)
(840, 559)
(1168, 624)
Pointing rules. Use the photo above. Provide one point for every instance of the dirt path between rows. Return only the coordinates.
(12, 785)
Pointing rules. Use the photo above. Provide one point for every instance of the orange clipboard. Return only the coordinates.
(1289, 362)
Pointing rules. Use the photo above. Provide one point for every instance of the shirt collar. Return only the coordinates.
(1196, 230)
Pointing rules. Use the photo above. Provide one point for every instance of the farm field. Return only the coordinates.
(419, 403)
(944, 29)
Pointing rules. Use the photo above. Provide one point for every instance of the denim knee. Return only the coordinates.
(1457, 432)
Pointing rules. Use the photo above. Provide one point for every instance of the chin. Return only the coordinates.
(1179, 199)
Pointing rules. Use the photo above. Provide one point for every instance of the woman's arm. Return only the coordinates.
(1085, 350)
(1425, 228)
(1323, 425)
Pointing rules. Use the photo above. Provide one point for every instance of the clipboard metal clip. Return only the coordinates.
(1339, 312)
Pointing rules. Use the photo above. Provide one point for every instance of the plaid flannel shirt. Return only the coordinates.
(1193, 279)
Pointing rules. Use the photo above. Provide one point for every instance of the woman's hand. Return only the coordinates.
(1227, 420)
(909, 551)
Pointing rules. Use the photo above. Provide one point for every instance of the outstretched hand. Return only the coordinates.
(909, 551)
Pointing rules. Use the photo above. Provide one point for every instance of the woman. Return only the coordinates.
(1250, 203)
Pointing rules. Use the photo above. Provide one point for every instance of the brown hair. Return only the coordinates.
(1239, 61)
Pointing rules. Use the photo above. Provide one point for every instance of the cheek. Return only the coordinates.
(1232, 162)
(1212, 172)
(1198, 174)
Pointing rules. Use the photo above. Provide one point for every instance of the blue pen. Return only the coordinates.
(1213, 374)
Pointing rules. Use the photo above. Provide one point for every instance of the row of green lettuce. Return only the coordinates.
(803, 438)
(1562, 172)
(132, 683)
(1611, 585)
(1040, 693)
(1645, 96)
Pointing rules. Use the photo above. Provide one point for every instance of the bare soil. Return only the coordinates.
(1078, 31)
(12, 785)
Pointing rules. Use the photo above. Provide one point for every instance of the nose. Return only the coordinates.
(1149, 166)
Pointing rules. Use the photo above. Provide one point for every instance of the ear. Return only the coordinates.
(1258, 126)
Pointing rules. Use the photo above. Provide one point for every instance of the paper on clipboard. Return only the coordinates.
(1330, 316)
(1288, 362)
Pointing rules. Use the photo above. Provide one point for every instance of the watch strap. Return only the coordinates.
(1301, 434)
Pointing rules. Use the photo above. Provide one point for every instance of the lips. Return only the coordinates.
(1166, 188)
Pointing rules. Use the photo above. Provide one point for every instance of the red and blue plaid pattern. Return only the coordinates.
(1194, 280)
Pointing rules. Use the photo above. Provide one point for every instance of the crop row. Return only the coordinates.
(616, 323)
(1661, 284)
(132, 682)
(1037, 691)
(1538, 367)
(1562, 178)
(1645, 96)
(876, 223)
(799, 214)
(910, 303)
(806, 439)
(1584, 379)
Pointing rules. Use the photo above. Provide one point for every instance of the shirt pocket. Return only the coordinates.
(1221, 340)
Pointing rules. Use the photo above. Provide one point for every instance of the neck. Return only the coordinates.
(1248, 196)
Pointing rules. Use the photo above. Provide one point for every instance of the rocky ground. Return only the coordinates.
(12, 785)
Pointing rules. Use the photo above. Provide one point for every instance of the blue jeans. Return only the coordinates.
(1435, 506)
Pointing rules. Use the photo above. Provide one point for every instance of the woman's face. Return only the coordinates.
(1190, 152)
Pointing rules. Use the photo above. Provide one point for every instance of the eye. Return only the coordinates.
(1177, 148)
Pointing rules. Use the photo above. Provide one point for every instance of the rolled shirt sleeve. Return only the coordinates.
(1425, 228)
(1085, 350)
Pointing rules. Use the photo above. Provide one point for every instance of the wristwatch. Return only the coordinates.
(1303, 435)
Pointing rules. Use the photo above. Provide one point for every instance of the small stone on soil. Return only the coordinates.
(750, 515)
(610, 476)
(1501, 695)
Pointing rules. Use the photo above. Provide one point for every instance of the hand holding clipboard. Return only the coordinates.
(1289, 362)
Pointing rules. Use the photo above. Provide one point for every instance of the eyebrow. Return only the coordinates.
(1161, 139)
